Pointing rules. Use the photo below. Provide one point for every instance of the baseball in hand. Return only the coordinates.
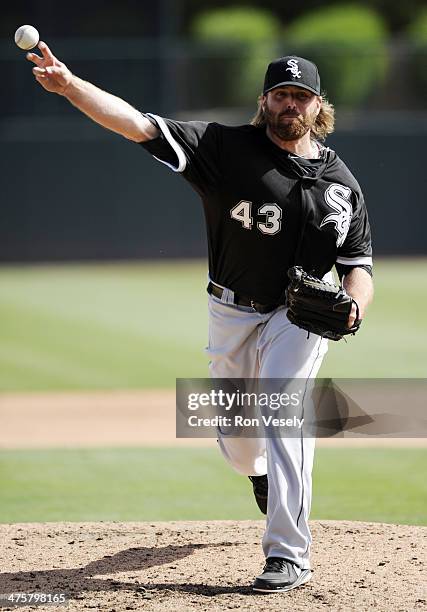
(26, 37)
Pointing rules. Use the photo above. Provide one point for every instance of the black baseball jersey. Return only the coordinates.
(266, 209)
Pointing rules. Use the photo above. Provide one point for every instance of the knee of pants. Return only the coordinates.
(247, 456)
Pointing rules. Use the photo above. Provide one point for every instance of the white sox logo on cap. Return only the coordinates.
(293, 68)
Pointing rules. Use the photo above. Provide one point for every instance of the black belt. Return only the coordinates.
(239, 300)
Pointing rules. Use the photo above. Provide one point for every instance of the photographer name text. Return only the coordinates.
(241, 421)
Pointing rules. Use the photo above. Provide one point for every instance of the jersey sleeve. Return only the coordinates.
(191, 148)
(356, 251)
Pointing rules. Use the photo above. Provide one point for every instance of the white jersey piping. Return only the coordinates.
(355, 261)
(182, 160)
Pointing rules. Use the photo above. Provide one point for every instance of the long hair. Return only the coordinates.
(324, 125)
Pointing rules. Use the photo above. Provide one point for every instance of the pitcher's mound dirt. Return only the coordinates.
(210, 566)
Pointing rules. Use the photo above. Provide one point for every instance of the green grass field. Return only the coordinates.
(142, 325)
(386, 485)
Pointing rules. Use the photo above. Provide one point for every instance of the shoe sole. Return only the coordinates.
(302, 579)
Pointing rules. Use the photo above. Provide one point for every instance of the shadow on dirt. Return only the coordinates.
(201, 589)
(77, 581)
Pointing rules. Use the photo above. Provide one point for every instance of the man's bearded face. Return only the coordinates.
(289, 122)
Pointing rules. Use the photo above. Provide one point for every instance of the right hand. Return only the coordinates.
(52, 74)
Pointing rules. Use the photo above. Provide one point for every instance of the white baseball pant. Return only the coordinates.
(246, 344)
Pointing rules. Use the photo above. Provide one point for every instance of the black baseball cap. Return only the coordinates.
(292, 70)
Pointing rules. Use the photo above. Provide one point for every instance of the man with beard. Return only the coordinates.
(273, 197)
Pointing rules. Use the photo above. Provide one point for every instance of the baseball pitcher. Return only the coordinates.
(281, 211)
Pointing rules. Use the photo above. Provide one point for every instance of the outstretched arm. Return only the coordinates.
(358, 283)
(109, 111)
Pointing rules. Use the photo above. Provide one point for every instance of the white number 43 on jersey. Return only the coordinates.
(272, 213)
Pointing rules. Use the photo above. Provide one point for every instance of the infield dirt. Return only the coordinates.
(115, 418)
(210, 566)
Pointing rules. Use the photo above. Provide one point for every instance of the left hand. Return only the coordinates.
(353, 316)
(358, 284)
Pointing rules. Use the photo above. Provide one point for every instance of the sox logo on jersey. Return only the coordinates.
(338, 198)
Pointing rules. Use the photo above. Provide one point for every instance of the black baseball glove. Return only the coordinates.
(319, 307)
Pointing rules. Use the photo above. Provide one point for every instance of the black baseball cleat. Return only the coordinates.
(260, 487)
(280, 575)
